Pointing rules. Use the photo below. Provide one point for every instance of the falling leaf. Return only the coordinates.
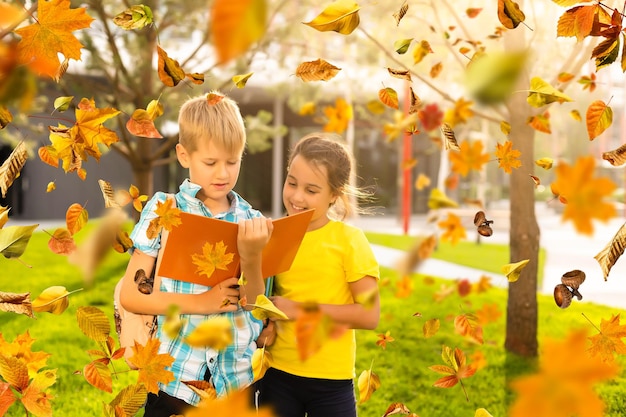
(11, 167)
(338, 116)
(450, 138)
(341, 16)
(599, 118)
(609, 339)
(482, 412)
(152, 365)
(313, 329)
(612, 251)
(420, 251)
(422, 182)
(565, 77)
(16, 303)
(545, 163)
(420, 51)
(265, 309)
(51, 187)
(402, 124)
(430, 328)
(383, 339)
(488, 313)
(316, 70)
(401, 13)
(76, 217)
(588, 82)
(510, 14)
(215, 332)
(367, 383)
(491, 78)
(470, 157)
(130, 400)
(307, 109)
(168, 217)
(261, 359)
(141, 124)
(505, 127)
(135, 17)
(137, 197)
(240, 80)
(453, 230)
(415, 103)
(14, 239)
(235, 26)
(431, 117)
(464, 287)
(616, 157)
(472, 12)
(585, 194)
(508, 158)
(460, 113)
(402, 74)
(435, 70)
(467, 325)
(213, 257)
(62, 103)
(169, 70)
(483, 284)
(455, 368)
(512, 271)
(5, 116)
(52, 300)
(569, 374)
(438, 199)
(213, 98)
(397, 408)
(402, 45)
(389, 97)
(61, 242)
(535, 179)
(50, 35)
(542, 93)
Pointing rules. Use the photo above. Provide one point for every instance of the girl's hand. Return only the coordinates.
(223, 297)
(268, 335)
(290, 308)
(253, 235)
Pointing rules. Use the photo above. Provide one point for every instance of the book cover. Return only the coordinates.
(203, 250)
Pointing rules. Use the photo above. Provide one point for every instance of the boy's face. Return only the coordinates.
(214, 169)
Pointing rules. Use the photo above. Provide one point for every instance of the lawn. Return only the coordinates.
(402, 366)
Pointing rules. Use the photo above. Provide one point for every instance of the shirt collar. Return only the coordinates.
(189, 190)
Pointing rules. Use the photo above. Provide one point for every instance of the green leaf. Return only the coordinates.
(14, 239)
(402, 45)
(490, 78)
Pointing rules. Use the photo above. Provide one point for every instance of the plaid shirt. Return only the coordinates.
(231, 368)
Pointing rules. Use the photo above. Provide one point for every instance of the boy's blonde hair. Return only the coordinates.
(220, 123)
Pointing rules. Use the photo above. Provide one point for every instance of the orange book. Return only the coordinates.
(203, 250)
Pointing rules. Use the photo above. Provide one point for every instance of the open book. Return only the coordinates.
(203, 250)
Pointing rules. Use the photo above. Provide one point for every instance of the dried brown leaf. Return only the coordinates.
(401, 13)
(108, 194)
(450, 142)
(318, 70)
(616, 157)
(612, 251)
(10, 169)
(16, 303)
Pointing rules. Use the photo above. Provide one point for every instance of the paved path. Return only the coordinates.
(566, 250)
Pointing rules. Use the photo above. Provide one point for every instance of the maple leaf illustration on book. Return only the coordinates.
(213, 257)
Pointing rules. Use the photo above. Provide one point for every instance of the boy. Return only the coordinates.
(211, 143)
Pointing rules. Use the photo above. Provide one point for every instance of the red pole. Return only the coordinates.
(406, 173)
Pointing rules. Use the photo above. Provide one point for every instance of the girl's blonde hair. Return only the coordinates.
(324, 150)
(220, 123)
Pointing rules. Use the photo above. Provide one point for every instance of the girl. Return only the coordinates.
(335, 269)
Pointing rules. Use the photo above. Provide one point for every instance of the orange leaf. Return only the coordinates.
(435, 70)
(141, 124)
(472, 12)
(98, 375)
(367, 383)
(488, 313)
(151, 365)
(61, 242)
(168, 218)
(455, 366)
(540, 123)
(169, 69)
(460, 113)
(584, 193)
(430, 328)
(609, 340)
(389, 97)
(318, 70)
(467, 325)
(453, 229)
(577, 21)
(338, 117)
(507, 157)
(469, 157)
(309, 337)
(75, 218)
(569, 374)
(50, 35)
(48, 155)
(212, 258)
(510, 14)
(383, 339)
(599, 118)
(235, 26)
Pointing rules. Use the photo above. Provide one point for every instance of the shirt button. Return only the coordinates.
(211, 360)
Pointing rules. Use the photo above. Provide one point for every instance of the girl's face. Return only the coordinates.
(214, 169)
(307, 187)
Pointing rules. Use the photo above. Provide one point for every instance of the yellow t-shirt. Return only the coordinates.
(328, 259)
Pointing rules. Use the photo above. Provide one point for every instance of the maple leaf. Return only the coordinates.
(584, 194)
(569, 375)
(338, 116)
(168, 218)
(456, 368)
(431, 117)
(460, 113)
(508, 157)
(383, 339)
(50, 35)
(152, 365)
(488, 313)
(236, 403)
(483, 284)
(470, 157)
(609, 339)
(453, 229)
(404, 287)
(213, 257)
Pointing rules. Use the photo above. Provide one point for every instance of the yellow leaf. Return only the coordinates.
(510, 14)
(402, 45)
(261, 359)
(389, 97)
(453, 230)
(75, 218)
(470, 157)
(545, 163)
(4, 215)
(52, 300)
(338, 117)
(307, 109)
(169, 69)
(401, 12)
(400, 126)
(542, 93)
(318, 70)
(5, 116)
(438, 199)
(422, 182)
(420, 51)
(154, 109)
(215, 333)
(367, 383)
(460, 113)
(341, 16)
(508, 158)
(505, 127)
(240, 80)
(173, 322)
(265, 309)
(576, 115)
(491, 78)
(512, 271)
(599, 118)
(51, 187)
(236, 25)
(431, 327)
(375, 107)
(14, 239)
(482, 412)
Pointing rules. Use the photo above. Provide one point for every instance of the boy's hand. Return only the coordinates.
(253, 235)
(223, 297)
(268, 335)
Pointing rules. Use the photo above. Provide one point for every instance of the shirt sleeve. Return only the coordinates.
(138, 235)
(360, 260)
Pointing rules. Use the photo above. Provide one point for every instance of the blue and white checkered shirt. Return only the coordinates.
(231, 368)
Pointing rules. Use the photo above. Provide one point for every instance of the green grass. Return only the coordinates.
(488, 257)
(402, 366)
